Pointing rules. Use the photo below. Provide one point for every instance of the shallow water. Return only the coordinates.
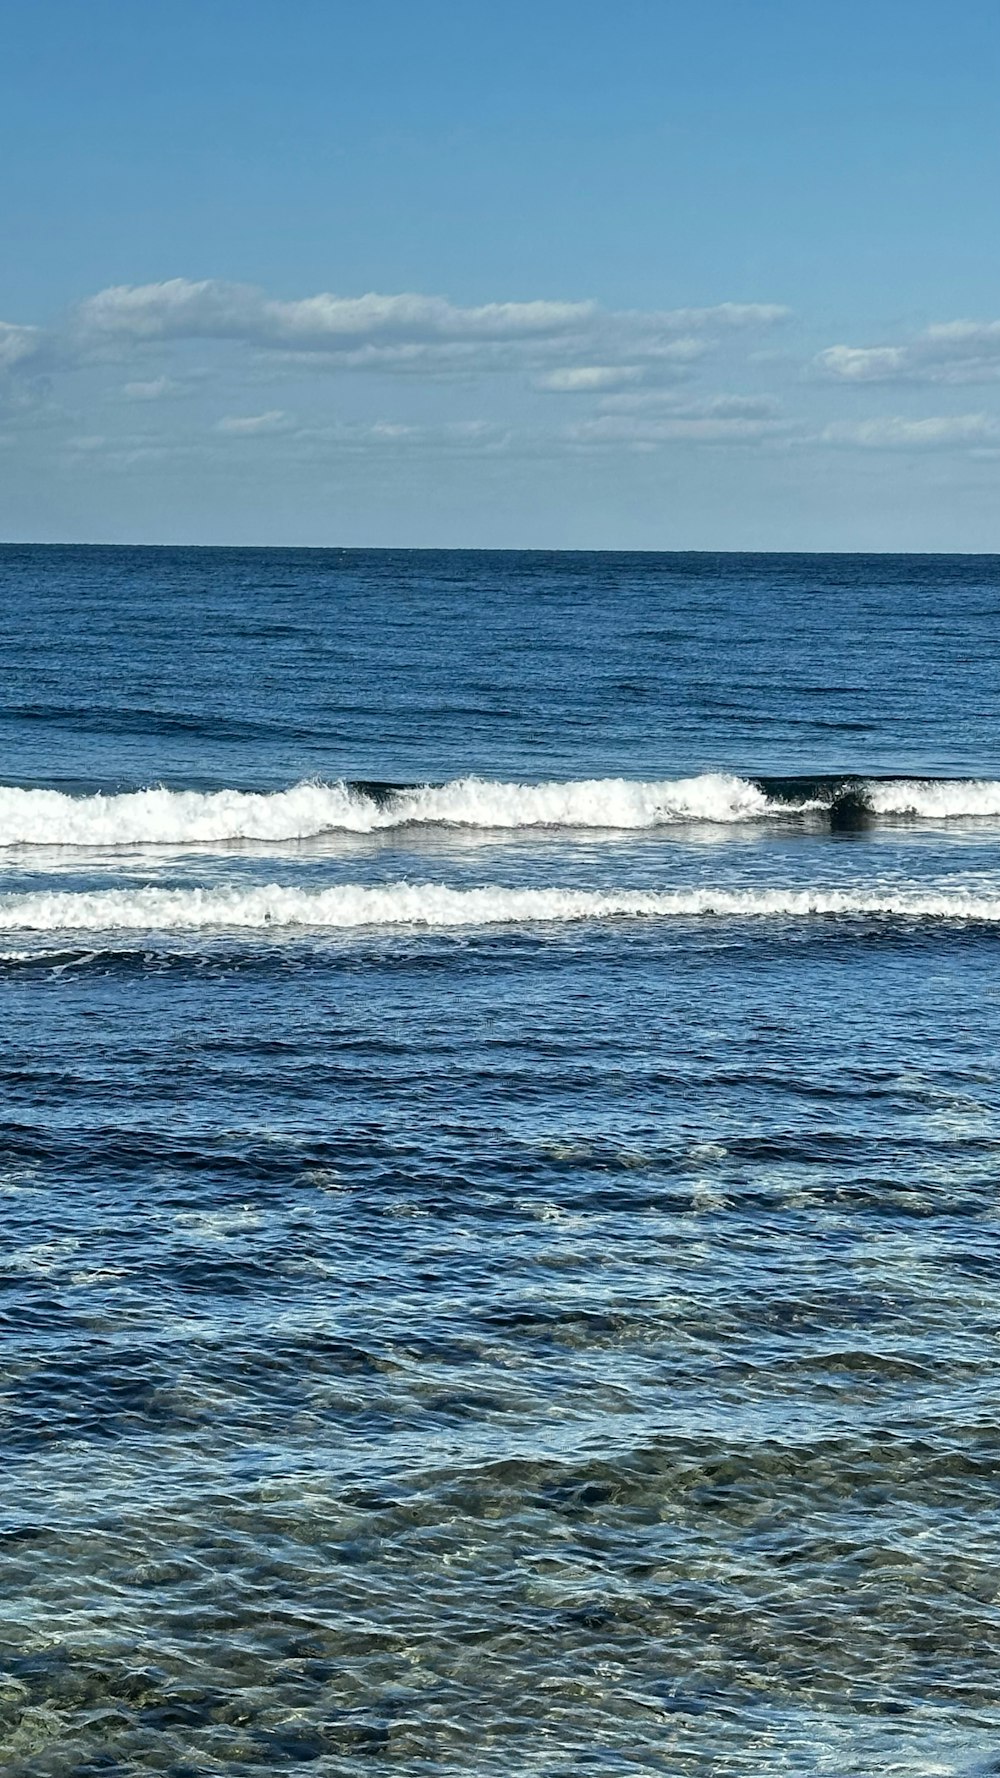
(451, 1331)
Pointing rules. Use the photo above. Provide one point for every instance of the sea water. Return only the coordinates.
(500, 1164)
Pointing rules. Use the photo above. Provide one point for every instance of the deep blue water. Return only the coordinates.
(500, 1164)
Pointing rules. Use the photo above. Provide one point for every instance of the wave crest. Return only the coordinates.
(932, 799)
(305, 811)
(436, 905)
(162, 817)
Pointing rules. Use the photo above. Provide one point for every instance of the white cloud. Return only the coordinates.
(863, 364)
(251, 425)
(686, 350)
(181, 308)
(721, 315)
(962, 351)
(584, 379)
(408, 330)
(643, 431)
(671, 402)
(936, 432)
(18, 344)
(949, 352)
(261, 355)
(379, 437)
(154, 390)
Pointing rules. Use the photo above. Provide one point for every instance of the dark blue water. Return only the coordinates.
(500, 1164)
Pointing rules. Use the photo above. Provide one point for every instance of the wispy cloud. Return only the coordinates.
(252, 425)
(408, 330)
(662, 362)
(562, 347)
(376, 438)
(646, 431)
(585, 379)
(18, 345)
(863, 364)
(680, 405)
(949, 352)
(155, 389)
(618, 379)
(894, 433)
(181, 308)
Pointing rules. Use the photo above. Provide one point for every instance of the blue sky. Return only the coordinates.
(638, 274)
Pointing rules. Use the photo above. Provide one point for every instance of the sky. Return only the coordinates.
(571, 274)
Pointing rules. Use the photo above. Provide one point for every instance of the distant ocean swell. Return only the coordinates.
(158, 816)
(349, 906)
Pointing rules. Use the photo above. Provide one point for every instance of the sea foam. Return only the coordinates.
(159, 816)
(933, 799)
(163, 817)
(349, 905)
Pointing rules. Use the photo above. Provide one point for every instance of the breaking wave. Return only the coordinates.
(305, 811)
(434, 905)
(159, 816)
(934, 799)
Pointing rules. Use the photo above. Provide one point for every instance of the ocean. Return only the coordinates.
(500, 1164)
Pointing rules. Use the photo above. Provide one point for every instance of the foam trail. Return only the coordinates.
(435, 905)
(189, 817)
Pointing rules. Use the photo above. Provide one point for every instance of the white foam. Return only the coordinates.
(161, 817)
(189, 817)
(350, 905)
(174, 817)
(588, 802)
(935, 799)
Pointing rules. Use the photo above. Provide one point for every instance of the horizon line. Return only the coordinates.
(488, 549)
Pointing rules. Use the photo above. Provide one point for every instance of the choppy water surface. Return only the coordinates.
(500, 1165)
